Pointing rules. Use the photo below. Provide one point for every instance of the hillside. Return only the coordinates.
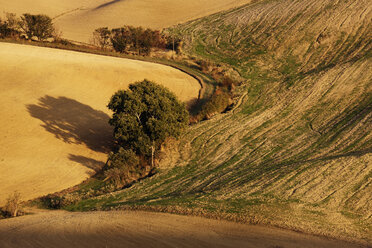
(60, 229)
(78, 19)
(54, 120)
(297, 153)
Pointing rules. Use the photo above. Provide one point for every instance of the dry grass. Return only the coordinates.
(297, 152)
(54, 117)
(144, 229)
(78, 19)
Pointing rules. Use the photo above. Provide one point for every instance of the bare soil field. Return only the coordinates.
(78, 19)
(54, 131)
(145, 229)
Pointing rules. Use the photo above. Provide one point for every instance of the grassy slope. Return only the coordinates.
(298, 152)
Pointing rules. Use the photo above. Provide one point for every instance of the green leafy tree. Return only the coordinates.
(40, 26)
(121, 39)
(137, 40)
(122, 166)
(145, 116)
(123, 158)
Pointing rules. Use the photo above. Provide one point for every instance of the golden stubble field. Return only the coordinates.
(54, 130)
(78, 19)
(145, 229)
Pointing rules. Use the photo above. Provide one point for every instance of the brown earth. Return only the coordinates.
(144, 229)
(54, 121)
(78, 19)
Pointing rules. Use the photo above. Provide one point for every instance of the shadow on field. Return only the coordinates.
(87, 162)
(107, 4)
(73, 122)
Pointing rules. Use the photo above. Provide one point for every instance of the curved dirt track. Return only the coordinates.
(144, 229)
(78, 19)
(54, 131)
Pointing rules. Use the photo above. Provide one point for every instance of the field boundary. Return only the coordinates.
(89, 49)
(241, 219)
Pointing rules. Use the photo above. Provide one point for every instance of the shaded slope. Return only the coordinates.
(297, 152)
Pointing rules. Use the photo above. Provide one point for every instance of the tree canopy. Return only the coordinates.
(144, 116)
(136, 39)
(40, 26)
(101, 37)
(9, 26)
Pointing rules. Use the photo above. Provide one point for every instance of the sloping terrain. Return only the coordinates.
(78, 19)
(297, 153)
(54, 121)
(142, 229)
(46, 7)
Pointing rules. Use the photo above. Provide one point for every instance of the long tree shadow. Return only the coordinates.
(73, 122)
(107, 4)
(87, 162)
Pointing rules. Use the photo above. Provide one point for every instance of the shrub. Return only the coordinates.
(205, 66)
(174, 43)
(4, 29)
(55, 201)
(120, 39)
(123, 158)
(12, 21)
(227, 83)
(101, 37)
(39, 26)
(2, 214)
(8, 28)
(123, 167)
(218, 103)
(13, 205)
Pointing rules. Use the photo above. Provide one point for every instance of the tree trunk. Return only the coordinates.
(173, 48)
(152, 154)
(138, 118)
(15, 213)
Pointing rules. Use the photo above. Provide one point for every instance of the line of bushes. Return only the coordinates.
(126, 40)
(136, 40)
(27, 26)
